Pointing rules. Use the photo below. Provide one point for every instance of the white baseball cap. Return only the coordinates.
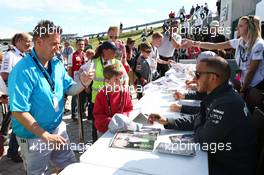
(214, 23)
(206, 54)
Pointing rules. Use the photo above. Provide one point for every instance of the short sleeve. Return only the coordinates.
(178, 39)
(257, 51)
(68, 81)
(20, 88)
(234, 43)
(6, 63)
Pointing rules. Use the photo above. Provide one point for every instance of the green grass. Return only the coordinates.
(135, 34)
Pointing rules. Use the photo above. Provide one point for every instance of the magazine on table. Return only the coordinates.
(181, 144)
(185, 138)
(137, 140)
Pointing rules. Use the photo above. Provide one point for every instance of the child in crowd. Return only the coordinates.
(112, 98)
(90, 54)
(143, 70)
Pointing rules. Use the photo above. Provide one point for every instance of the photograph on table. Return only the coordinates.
(181, 144)
(143, 140)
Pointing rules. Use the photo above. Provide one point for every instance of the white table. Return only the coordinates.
(142, 162)
(84, 169)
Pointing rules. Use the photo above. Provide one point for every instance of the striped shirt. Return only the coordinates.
(10, 59)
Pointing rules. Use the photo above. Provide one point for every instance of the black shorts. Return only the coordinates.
(260, 86)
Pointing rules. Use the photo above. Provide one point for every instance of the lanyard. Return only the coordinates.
(120, 106)
(46, 73)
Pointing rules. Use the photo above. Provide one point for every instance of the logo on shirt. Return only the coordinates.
(216, 116)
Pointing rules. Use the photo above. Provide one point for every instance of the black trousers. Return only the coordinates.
(74, 104)
(13, 145)
(94, 130)
(260, 86)
(6, 120)
(162, 68)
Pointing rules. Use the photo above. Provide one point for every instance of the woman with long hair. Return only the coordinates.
(249, 57)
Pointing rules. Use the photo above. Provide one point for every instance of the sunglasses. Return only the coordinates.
(198, 74)
(113, 37)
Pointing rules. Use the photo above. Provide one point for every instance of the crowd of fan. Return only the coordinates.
(138, 66)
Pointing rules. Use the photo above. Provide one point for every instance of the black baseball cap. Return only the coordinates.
(108, 45)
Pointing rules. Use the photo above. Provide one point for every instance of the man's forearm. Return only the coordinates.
(29, 123)
(75, 89)
(190, 109)
(185, 123)
(160, 61)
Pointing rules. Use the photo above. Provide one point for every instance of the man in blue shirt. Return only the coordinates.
(37, 85)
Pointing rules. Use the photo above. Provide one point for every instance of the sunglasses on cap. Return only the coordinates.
(198, 74)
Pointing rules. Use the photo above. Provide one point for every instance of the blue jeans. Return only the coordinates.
(36, 153)
(74, 104)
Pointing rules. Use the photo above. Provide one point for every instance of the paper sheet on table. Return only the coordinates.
(189, 102)
(141, 118)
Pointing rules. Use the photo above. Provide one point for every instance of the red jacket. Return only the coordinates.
(193, 52)
(120, 102)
